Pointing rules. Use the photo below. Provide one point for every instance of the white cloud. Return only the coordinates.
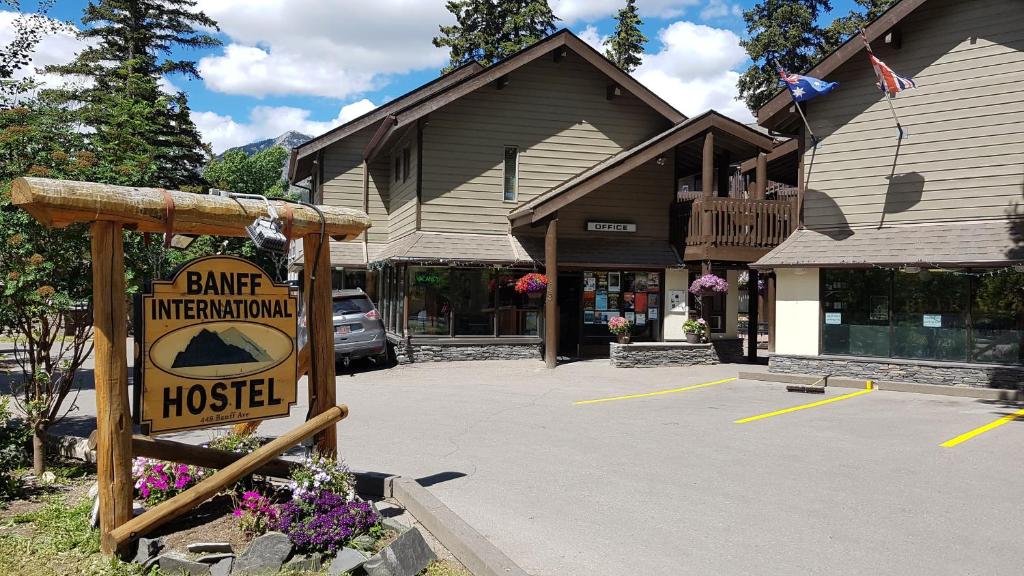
(223, 132)
(57, 48)
(311, 47)
(716, 9)
(571, 11)
(591, 36)
(696, 69)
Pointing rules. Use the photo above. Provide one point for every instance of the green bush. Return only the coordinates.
(14, 447)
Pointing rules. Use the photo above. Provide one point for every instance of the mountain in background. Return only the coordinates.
(288, 140)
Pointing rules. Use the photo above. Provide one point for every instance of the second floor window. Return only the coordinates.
(406, 162)
(398, 168)
(511, 173)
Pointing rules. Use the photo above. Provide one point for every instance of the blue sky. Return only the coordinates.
(312, 64)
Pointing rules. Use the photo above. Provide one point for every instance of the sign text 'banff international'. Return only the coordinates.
(218, 347)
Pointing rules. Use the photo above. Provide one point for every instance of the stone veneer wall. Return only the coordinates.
(408, 353)
(651, 354)
(915, 371)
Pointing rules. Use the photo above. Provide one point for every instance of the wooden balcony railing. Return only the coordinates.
(735, 222)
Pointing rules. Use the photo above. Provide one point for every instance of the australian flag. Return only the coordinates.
(804, 88)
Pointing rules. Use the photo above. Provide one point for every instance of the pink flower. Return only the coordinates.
(237, 512)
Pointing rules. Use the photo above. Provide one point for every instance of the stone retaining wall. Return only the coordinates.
(449, 351)
(915, 371)
(651, 354)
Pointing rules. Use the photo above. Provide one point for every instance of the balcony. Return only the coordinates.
(731, 229)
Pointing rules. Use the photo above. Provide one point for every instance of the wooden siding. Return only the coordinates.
(556, 113)
(964, 157)
(402, 207)
(343, 181)
(643, 197)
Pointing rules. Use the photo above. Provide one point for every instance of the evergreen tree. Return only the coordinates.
(137, 125)
(626, 45)
(489, 30)
(845, 26)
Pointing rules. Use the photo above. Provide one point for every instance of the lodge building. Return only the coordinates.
(553, 160)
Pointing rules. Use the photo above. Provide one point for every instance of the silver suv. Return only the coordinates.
(358, 330)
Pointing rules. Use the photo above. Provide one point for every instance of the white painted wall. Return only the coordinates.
(672, 325)
(732, 304)
(797, 311)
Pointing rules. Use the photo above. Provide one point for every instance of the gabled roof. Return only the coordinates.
(422, 101)
(618, 164)
(771, 114)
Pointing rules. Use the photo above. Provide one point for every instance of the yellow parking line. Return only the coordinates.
(659, 393)
(803, 406)
(981, 430)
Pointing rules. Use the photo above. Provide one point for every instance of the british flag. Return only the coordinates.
(889, 82)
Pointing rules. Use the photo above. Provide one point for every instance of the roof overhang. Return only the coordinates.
(780, 113)
(579, 186)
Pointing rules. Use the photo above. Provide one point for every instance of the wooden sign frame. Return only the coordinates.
(110, 209)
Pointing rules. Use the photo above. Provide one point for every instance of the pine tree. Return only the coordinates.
(845, 26)
(136, 125)
(626, 45)
(488, 30)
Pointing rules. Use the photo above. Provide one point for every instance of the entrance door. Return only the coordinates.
(570, 301)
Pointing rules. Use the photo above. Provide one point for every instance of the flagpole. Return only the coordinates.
(888, 96)
(814, 139)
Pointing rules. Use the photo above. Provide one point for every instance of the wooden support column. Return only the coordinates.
(319, 320)
(723, 174)
(769, 305)
(707, 173)
(752, 315)
(761, 177)
(113, 414)
(551, 296)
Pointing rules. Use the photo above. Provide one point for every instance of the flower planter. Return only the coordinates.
(692, 338)
(623, 338)
(534, 295)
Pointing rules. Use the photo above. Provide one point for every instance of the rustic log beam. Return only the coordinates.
(57, 203)
(319, 320)
(551, 297)
(210, 486)
(761, 177)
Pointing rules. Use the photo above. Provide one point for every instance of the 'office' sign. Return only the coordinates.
(610, 227)
(218, 346)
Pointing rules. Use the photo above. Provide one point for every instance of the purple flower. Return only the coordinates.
(709, 284)
(325, 521)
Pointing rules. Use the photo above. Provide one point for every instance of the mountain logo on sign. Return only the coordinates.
(212, 348)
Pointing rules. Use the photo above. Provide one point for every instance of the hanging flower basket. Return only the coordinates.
(709, 285)
(532, 284)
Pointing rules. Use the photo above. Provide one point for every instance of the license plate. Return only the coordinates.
(344, 329)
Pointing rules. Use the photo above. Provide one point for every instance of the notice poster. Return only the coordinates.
(641, 319)
(833, 318)
(628, 298)
(601, 301)
(653, 301)
(602, 280)
(588, 316)
(932, 320)
(640, 282)
(613, 301)
(589, 299)
(627, 281)
(631, 317)
(589, 282)
(609, 314)
(641, 302)
(652, 313)
(652, 282)
(613, 281)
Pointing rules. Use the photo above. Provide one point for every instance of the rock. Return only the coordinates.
(305, 562)
(211, 547)
(137, 508)
(347, 560)
(214, 558)
(406, 556)
(48, 477)
(361, 542)
(265, 555)
(222, 568)
(94, 490)
(175, 564)
(148, 548)
(395, 525)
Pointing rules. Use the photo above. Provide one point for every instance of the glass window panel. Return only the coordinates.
(930, 315)
(998, 317)
(511, 173)
(472, 298)
(856, 312)
(429, 307)
(518, 314)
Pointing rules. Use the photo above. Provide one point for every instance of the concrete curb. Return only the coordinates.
(475, 552)
(840, 382)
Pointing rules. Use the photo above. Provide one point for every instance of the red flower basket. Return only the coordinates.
(532, 284)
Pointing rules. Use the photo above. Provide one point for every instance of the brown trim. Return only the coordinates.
(384, 131)
(766, 115)
(419, 172)
(780, 151)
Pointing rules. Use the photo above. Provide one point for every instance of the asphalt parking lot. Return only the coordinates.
(666, 483)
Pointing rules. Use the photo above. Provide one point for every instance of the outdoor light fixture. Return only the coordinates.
(265, 231)
(661, 160)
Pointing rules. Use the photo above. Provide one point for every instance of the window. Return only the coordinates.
(511, 173)
(472, 297)
(997, 312)
(930, 315)
(406, 162)
(398, 168)
(352, 305)
(429, 307)
(518, 314)
(856, 308)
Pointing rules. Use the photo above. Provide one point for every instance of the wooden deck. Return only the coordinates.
(731, 229)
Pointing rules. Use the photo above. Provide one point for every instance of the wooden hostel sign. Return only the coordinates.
(218, 347)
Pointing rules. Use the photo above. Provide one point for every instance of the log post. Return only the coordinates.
(752, 315)
(113, 415)
(211, 485)
(551, 297)
(761, 176)
(707, 188)
(319, 320)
